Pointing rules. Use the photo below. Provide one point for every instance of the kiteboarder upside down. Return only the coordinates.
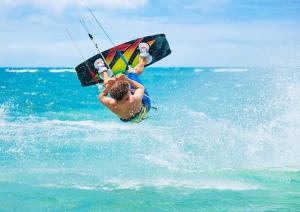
(128, 99)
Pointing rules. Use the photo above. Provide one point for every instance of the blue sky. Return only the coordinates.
(201, 33)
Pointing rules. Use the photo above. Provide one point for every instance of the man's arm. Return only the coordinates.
(103, 98)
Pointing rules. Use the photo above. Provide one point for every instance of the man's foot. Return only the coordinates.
(100, 66)
(144, 52)
(144, 49)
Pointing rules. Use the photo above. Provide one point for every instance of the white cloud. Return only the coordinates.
(61, 5)
(223, 43)
(207, 5)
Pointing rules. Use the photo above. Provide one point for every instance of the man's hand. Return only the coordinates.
(103, 95)
(110, 82)
(121, 77)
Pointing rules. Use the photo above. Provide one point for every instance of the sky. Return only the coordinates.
(200, 32)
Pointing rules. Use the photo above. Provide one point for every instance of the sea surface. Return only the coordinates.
(222, 139)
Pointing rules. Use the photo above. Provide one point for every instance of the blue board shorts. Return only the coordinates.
(145, 101)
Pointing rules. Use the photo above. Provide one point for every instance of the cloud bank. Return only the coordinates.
(62, 5)
(200, 32)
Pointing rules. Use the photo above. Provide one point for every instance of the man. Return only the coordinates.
(128, 98)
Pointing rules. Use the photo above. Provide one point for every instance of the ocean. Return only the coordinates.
(222, 139)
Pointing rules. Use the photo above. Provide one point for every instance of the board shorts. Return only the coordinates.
(146, 102)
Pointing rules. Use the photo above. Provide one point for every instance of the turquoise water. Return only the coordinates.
(223, 139)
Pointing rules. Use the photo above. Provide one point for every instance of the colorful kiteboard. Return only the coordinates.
(159, 48)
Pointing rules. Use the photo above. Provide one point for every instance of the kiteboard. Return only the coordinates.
(114, 57)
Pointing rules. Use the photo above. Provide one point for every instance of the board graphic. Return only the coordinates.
(159, 48)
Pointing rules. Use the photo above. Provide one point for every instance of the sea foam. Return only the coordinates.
(61, 70)
(21, 70)
(230, 70)
(198, 70)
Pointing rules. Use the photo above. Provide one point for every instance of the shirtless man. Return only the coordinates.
(128, 98)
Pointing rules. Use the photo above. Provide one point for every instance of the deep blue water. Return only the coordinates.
(223, 139)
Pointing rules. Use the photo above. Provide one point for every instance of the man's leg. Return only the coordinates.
(139, 68)
(105, 76)
(143, 60)
(102, 70)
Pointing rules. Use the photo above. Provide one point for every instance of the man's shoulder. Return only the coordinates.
(135, 99)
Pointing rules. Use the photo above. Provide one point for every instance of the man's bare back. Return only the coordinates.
(129, 105)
